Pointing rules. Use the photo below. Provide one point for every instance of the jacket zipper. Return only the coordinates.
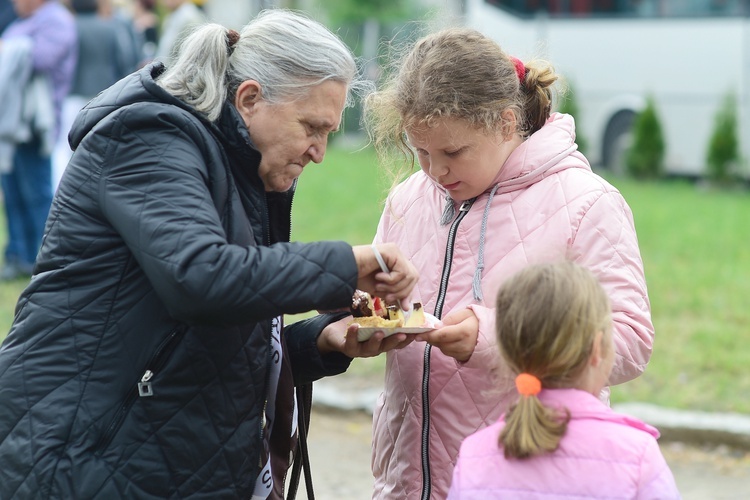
(291, 202)
(426, 473)
(143, 388)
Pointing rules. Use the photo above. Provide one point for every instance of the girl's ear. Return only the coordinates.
(510, 124)
(597, 350)
(248, 95)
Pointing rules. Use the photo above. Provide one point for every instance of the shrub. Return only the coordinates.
(569, 105)
(645, 158)
(723, 148)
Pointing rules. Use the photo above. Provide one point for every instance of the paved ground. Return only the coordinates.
(340, 437)
(340, 456)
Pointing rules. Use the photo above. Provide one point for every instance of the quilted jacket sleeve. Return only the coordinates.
(155, 194)
(606, 243)
(486, 352)
(307, 363)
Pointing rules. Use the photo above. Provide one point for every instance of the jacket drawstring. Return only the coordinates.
(449, 212)
(477, 283)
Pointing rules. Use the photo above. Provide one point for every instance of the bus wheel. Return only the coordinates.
(617, 140)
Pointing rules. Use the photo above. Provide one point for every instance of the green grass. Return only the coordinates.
(340, 199)
(696, 249)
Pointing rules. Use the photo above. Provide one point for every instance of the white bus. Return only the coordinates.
(687, 54)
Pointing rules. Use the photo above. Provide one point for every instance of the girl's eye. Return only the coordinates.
(421, 152)
(454, 153)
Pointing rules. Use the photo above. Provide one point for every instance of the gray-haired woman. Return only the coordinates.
(147, 357)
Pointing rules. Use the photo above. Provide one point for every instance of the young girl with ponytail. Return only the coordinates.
(502, 185)
(554, 330)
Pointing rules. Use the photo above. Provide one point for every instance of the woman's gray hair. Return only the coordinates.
(285, 52)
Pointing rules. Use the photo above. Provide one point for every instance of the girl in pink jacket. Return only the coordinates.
(559, 441)
(501, 186)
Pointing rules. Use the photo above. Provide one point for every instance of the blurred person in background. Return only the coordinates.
(149, 356)
(7, 14)
(42, 77)
(106, 53)
(182, 17)
(120, 13)
(146, 24)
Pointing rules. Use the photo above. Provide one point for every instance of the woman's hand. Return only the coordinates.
(457, 337)
(394, 286)
(340, 338)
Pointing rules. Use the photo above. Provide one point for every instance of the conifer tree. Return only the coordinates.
(645, 158)
(723, 148)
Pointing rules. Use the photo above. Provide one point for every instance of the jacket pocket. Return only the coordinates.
(142, 387)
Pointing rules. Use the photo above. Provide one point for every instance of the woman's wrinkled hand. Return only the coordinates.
(394, 286)
(340, 336)
(457, 337)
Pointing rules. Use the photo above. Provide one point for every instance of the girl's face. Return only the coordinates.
(461, 158)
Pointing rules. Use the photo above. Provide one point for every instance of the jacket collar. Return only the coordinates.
(583, 405)
(541, 154)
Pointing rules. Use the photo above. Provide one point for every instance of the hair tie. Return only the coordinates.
(520, 69)
(528, 385)
(232, 38)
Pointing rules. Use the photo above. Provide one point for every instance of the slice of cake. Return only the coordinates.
(416, 317)
(369, 311)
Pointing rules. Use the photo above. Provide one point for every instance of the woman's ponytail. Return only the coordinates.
(198, 75)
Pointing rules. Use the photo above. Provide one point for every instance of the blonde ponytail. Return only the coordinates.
(532, 429)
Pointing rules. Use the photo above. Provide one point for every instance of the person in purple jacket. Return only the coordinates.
(27, 187)
(554, 331)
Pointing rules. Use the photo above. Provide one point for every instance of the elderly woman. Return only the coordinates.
(148, 358)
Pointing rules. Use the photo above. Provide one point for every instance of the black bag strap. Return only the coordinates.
(301, 455)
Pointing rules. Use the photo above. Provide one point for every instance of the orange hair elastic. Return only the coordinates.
(528, 385)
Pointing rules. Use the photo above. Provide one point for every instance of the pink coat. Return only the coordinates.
(603, 454)
(548, 205)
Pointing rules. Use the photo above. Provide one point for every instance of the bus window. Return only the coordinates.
(688, 55)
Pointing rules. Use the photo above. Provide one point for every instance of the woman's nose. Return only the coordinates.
(317, 150)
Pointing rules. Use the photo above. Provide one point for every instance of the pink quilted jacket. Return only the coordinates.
(548, 205)
(602, 455)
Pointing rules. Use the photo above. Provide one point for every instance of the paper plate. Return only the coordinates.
(365, 333)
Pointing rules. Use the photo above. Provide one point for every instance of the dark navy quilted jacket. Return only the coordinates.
(155, 262)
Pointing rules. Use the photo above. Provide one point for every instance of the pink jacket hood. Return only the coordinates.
(547, 205)
(603, 453)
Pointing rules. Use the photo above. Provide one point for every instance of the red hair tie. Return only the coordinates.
(520, 69)
(528, 385)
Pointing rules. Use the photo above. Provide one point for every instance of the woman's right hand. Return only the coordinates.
(394, 286)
